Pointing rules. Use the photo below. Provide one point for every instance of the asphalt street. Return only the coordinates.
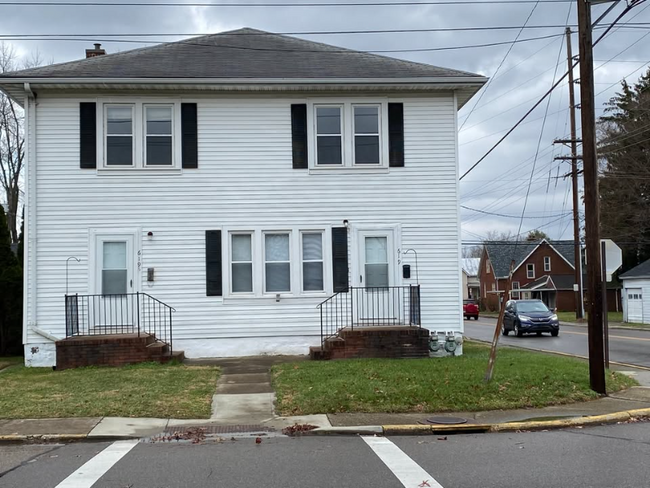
(598, 457)
(625, 346)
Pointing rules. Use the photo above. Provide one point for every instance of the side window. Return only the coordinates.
(312, 261)
(241, 257)
(158, 133)
(329, 135)
(118, 139)
(530, 271)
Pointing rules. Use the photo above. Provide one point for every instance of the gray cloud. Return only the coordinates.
(499, 183)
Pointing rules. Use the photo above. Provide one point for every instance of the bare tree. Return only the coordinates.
(12, 140)
(495, 235)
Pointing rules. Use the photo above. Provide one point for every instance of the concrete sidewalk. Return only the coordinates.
(113, 428)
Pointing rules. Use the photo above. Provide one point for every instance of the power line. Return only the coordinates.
(538, 103)
(341, 51)
(496, 72)
(511, 216)
(272, 5)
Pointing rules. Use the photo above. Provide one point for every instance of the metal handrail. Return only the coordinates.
(125, 313)
(370, 306)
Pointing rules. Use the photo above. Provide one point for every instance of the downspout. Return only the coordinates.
(29, 249)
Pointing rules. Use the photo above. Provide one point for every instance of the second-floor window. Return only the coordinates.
(350, 134)
(547, 263)
(487, 267)
(119, 135)
(515, 290)
(530, 271)
(140, 135)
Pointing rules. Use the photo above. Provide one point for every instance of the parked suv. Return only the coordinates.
(470, 309)
(528, 316)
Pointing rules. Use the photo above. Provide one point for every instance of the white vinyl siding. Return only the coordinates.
(244, 180)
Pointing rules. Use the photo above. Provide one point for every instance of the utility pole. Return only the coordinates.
(592, 219)
(577, 251)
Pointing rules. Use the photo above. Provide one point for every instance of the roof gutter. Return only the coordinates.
(464, 80)
(28, 89)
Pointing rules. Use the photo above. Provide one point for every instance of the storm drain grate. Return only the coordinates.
(217, 429)
(443, 421)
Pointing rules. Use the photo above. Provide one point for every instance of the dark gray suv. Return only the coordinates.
(528, 316)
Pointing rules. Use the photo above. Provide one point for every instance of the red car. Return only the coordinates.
(470, 309)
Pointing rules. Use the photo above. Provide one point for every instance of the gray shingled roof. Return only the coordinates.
(640, 271)
(242, 54)
(502, 252)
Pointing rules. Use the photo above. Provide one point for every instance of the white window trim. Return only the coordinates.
(487, 267)
(259, 277)
(145, 135)
(515, 289)
(342, 133)
(547, 260)
(230, 262)
(303, 261)
(528, 270)
(291, 262)
(348, 135)
(106, 135)
(138, 104)
(355, 135)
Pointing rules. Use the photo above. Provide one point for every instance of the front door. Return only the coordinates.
(378, 302)
(113, 308)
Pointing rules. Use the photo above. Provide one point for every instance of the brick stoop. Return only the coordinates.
(112, 350)
(375, 342)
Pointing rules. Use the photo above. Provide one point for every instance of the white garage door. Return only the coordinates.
(634, 305)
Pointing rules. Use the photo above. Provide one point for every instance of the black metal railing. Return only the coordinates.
(131, 313)
(370, 307)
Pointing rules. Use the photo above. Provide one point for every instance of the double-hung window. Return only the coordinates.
(329, 134)
(119, 150)
(277, 262)
(312, 261)
(159, 147)
(350, 134)
(366, 134)
(515, 293)
(530, 271)
(241, 257)
(140, 135)
(547, 263)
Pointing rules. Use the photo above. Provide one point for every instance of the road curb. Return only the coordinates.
(417, 429)
(60, 438)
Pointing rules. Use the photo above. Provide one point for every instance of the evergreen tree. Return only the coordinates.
(624, 150)
(11, 291)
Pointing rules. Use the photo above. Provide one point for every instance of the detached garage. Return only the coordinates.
(636, 294)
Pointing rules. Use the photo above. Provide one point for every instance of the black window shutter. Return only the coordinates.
(213, 272)
(396, 134)
(299, 135)
(340, 258)
(189, 133)
(87, 135)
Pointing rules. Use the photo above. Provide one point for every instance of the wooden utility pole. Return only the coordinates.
(574, 177)
(592, 219)
(497, 330)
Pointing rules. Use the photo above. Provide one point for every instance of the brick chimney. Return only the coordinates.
(98, 51)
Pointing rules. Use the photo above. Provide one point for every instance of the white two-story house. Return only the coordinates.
(215, 191)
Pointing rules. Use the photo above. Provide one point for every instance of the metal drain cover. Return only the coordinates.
(218, 429)
(444, 420)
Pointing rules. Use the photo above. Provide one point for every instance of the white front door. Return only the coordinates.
(378, 303)
(634, 305)
(112, 307)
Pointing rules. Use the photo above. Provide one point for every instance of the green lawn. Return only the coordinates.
(144, 390)
(521, 379)
(612, 317)
(9, 361)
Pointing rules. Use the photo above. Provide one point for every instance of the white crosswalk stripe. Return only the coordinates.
(88, 474)
(407, 471)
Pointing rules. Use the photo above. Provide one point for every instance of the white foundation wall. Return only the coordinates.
(245, 179)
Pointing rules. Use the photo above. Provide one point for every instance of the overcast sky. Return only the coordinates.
(499, 183)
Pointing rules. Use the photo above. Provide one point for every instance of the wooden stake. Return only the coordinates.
(497, 330)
